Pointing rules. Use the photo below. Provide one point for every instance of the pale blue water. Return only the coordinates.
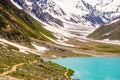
(92, 68)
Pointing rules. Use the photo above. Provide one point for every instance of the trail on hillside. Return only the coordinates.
(33, 62)
(15, 67)
(65, 74)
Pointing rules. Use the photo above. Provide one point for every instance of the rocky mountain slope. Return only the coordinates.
(16, 25)
(110, 31)
(71, 18)
(18, 59)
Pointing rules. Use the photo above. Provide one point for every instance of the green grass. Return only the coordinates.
(39, 28)
(108, 48)
(41, 70)
(26, 25)
(3, 21)
(100, 47)
(10, 47)
(10, 58)
(113, 30)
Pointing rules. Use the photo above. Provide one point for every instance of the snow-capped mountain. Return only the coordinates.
(76, 17)
(108, 9)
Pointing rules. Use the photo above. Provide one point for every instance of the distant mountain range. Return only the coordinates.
(75, 17)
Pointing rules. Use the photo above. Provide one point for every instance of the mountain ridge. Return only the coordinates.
(80, 13)
(24, 40)
(108, 31)
(21, 23)
(17, 47)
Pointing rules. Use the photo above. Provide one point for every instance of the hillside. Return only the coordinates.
(17, 61)
(16, 25)
(109, 31)
(14, 64)
(26, 45)
(71, 18)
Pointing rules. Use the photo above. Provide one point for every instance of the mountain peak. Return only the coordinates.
(72, 15)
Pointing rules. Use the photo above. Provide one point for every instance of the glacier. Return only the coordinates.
(71, 18)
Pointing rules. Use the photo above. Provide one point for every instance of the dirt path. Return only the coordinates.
(15, 67)
(33, 62)
(65, 74)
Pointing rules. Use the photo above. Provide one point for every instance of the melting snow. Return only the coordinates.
(111, 41)
(19, 7)
(60, 43)
(39, 47)
(113, 22)
(24, 49)
(107, 41)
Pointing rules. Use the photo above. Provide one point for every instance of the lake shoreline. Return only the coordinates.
(72, 63)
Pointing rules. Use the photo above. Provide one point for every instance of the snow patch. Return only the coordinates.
(75, 26)
(117, 42)
(19, 7)
(40, 48)
(60, 43)
(3, 43)
(113, 22)
(112, 41)
(23, 48)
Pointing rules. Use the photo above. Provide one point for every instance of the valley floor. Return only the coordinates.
(31, 66)
(82, 49)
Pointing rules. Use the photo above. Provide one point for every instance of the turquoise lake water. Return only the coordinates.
(92, 68)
